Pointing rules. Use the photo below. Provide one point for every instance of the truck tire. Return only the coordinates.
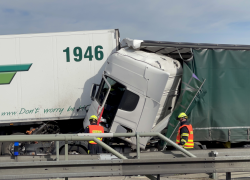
(74, 150)
(6, 146)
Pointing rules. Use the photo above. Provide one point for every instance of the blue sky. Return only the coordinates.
(213, 21)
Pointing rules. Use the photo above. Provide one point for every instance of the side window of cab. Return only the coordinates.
(129, 101)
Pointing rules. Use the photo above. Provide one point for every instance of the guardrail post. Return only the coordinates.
(214, 176)
(228, 175)
(66, 150)
(57, 150)
(66, 154)
(138, 145)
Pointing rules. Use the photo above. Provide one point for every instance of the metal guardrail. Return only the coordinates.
(123, 167)
(91, 137)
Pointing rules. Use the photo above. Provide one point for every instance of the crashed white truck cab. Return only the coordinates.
(137, 92)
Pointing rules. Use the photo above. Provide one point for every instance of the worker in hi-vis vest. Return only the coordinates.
(185, 136)
(93, 147)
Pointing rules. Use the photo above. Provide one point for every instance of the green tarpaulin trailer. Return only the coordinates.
(221, 108)
(222, 115)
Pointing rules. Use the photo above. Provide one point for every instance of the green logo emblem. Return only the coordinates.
(7, 72)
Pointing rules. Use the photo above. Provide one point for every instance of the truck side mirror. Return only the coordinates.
(93, 92)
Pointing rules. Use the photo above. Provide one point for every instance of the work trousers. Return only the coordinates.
(94, 148)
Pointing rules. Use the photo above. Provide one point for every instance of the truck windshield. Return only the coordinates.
(114, 98)
(116, 89)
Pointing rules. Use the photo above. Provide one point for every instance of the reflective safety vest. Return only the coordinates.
(190, 134)
(95, 129)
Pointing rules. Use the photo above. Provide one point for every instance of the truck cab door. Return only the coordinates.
(128, 113)
(98, 99)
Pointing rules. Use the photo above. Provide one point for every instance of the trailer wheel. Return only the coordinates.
(74, 150)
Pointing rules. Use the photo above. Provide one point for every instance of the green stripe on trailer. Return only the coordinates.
(15, 67)
(6, 77)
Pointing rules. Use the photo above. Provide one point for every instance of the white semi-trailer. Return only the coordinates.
(45, 80)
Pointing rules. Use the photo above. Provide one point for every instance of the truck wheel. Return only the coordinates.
(8, 147)
(74, 150)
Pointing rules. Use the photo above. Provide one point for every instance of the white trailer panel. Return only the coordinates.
(64, 67)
